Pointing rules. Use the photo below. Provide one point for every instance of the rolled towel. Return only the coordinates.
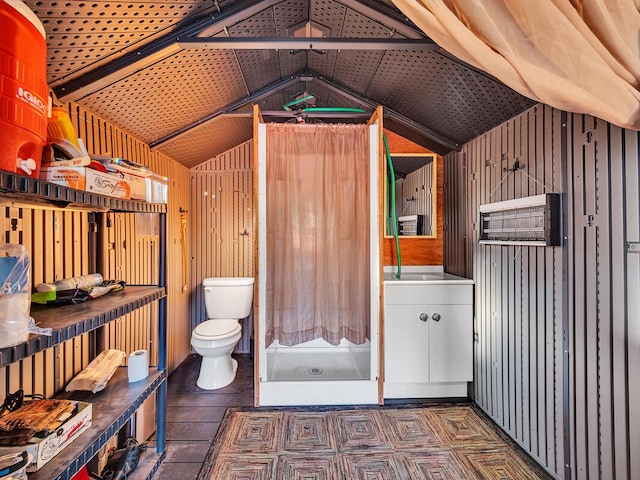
(70, 283)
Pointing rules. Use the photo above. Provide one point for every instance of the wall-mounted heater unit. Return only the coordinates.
(411, 225)
(524, 221)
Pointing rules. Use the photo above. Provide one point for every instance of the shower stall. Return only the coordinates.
(318, 264)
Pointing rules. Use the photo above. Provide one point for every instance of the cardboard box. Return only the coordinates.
(42, 450)
(82, 178)
(137, 185)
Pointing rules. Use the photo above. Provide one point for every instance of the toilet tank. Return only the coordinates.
(228, 297)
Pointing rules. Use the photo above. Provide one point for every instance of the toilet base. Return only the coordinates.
(217, 372)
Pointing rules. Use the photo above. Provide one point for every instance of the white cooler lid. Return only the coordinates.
(217, 328)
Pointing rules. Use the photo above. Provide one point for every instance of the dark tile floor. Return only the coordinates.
(193, 415)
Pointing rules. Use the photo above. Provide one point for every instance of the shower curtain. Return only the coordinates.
(317, 233)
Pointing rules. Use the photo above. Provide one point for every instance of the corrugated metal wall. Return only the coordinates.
(58, 242)
(576, 413)
(222, 241)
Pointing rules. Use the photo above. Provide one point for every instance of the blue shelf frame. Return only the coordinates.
(33, 191)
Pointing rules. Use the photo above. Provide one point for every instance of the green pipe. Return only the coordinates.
(296, 101)
(394, 217)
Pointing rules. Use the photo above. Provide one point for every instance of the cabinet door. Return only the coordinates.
(406, 340)
(451, 343)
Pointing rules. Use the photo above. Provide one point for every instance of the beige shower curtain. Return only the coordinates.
(317, 233)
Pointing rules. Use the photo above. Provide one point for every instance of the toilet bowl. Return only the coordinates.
(227, 300)
(215, 340)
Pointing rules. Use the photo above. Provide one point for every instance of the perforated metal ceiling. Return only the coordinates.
(122, 61)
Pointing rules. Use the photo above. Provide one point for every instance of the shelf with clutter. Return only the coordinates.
(94, 411)
(70, 321)
(66, 162)
(59, 202)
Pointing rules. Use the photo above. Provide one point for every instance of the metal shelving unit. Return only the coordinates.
(32, 190)
(73, 320)
(115, 405)
(112, 407)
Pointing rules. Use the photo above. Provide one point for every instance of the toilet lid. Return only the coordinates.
(217, 328)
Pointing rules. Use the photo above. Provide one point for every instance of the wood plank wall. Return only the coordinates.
(576, 413)
(57, 241)
(102, 137)
(222, 242)
(417, 251)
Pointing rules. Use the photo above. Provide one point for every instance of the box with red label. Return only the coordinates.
(42, 450)
(82, 178)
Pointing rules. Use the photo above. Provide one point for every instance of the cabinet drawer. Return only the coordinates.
(413, 294)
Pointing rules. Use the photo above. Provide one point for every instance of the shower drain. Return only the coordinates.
(315, 371)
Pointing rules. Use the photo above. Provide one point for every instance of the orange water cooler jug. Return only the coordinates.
(24, 94)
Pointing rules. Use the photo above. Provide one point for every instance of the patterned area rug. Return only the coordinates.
(385, 443)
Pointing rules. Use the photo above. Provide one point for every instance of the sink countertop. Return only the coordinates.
(414, 277)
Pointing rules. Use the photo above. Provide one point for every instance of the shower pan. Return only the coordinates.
(317, 372)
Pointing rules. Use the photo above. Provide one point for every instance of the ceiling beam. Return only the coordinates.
(403, 25)
(297, 43)
(313, 114)
(155, 51)
(260, 94)
(398, 117)
(307, 77)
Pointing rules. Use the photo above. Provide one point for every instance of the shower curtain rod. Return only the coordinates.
(307, 113)
(319, 114)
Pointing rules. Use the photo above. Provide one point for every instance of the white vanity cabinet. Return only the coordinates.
(428, 337)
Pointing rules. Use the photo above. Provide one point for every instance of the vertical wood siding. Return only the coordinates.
(58, 243)
(576, 413)
(128, 261)
(222, 241)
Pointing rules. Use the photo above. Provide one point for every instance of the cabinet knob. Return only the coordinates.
(436, 317)
(424, 317)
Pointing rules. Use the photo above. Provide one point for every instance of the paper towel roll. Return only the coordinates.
(138, 365)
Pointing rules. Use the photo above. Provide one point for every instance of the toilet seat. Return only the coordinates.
(218, 328)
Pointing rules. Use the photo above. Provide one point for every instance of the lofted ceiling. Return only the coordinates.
(183, 75)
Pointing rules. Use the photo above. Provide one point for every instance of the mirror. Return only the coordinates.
(415, 195)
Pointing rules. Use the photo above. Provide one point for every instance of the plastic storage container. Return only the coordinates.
(24, 96)
(15, 294)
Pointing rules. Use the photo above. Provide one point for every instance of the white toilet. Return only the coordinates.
(227, 300)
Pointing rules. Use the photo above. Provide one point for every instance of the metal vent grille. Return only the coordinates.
(209, 140)
(171, 94)
(81, 33)
(441, 94)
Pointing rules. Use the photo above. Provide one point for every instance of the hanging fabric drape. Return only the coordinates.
(576, 55)
(317, 233)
